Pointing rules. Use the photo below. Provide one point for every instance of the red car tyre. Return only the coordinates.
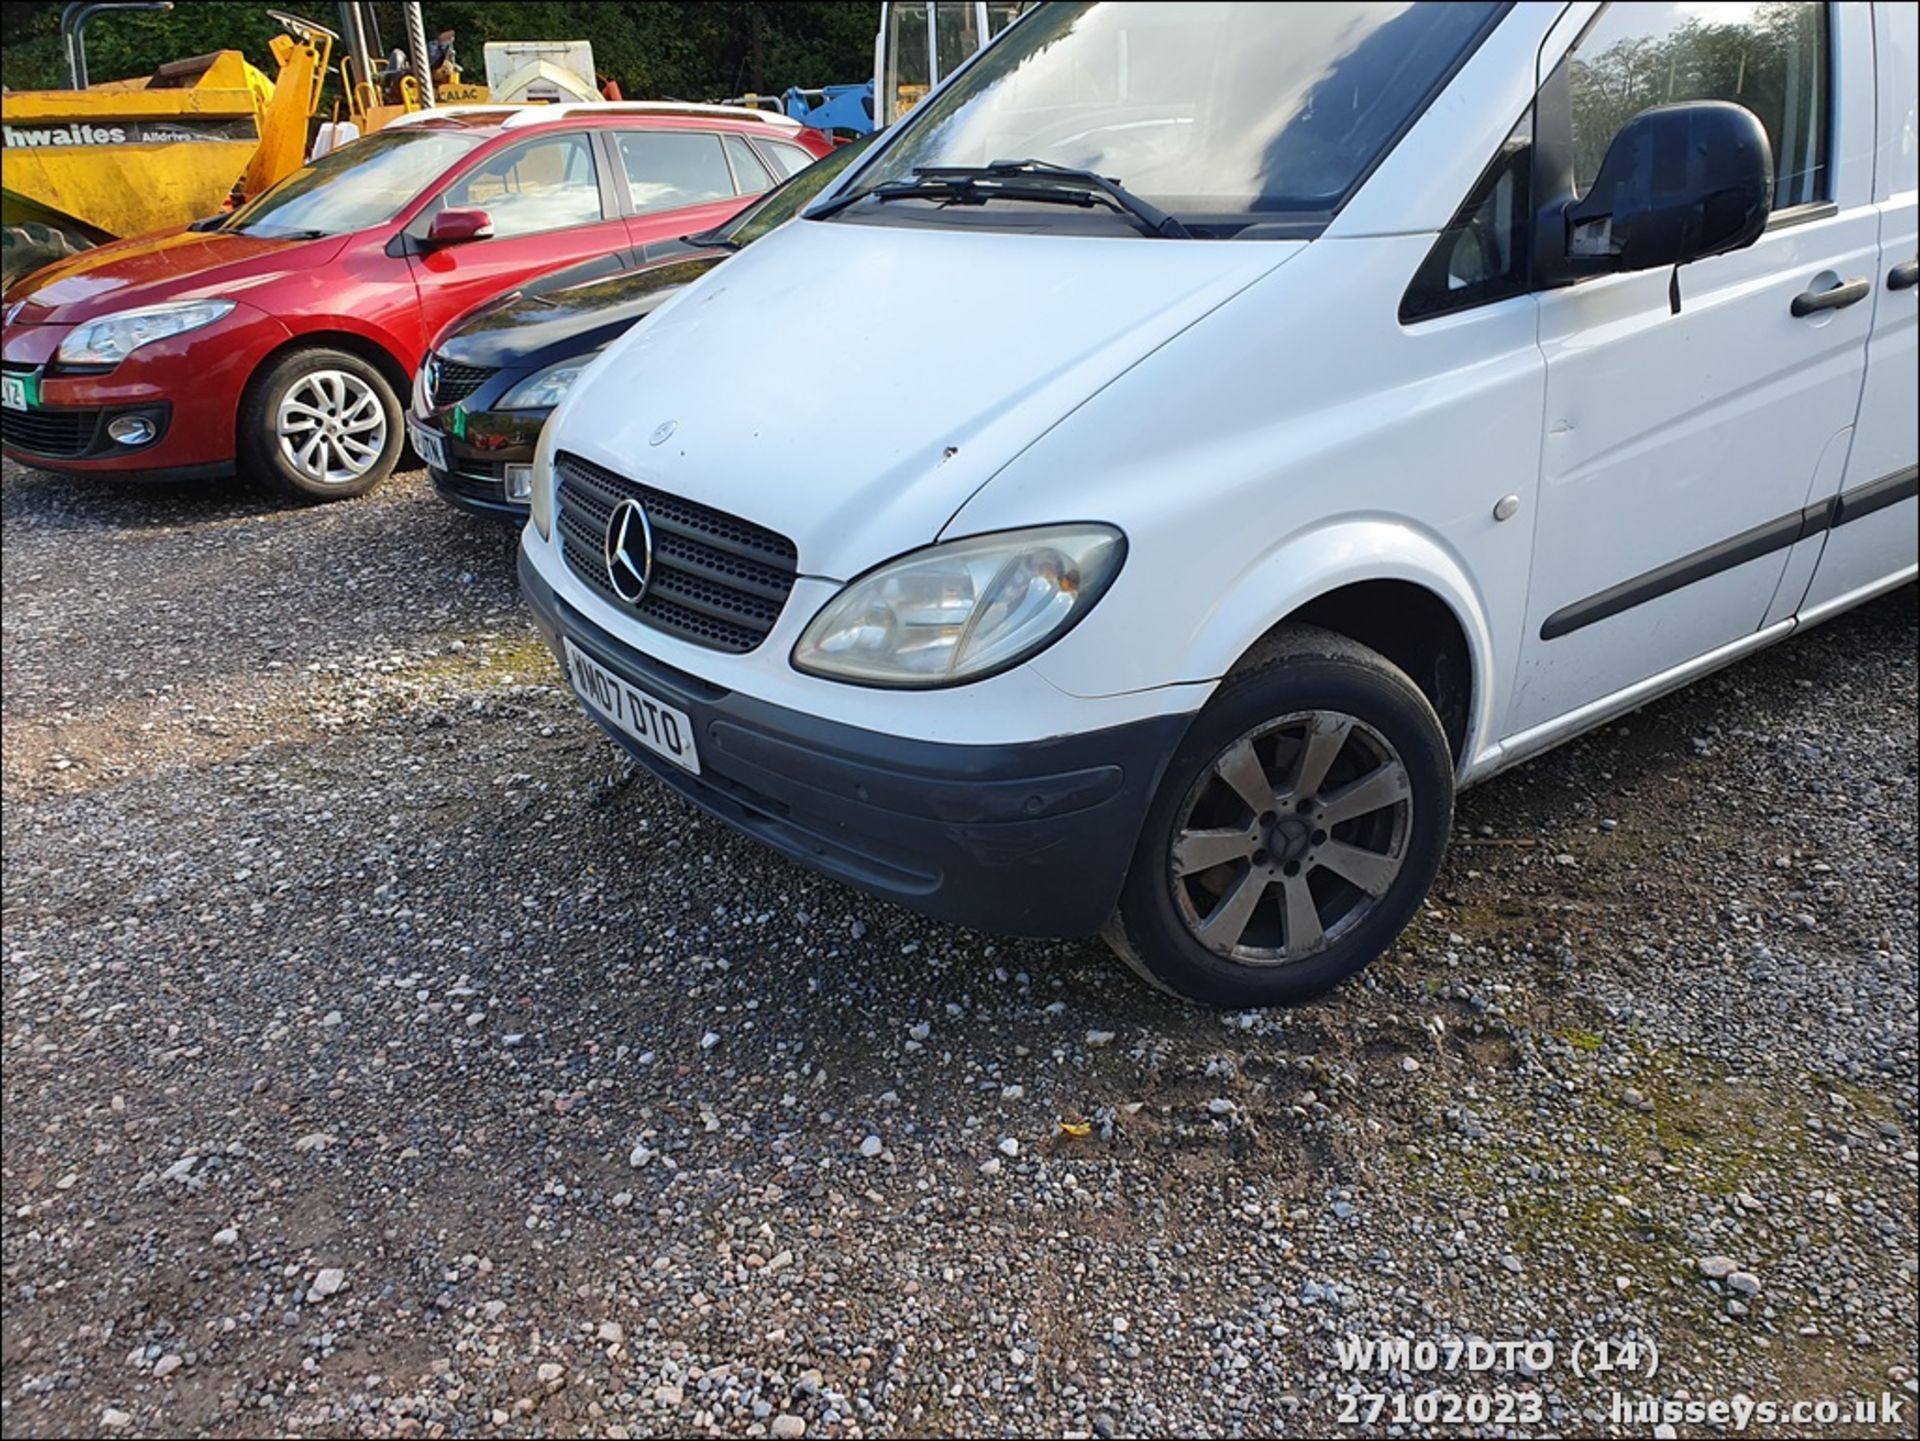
(320, 424)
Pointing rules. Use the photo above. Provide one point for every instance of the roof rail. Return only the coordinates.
(539, 114)
(518, 117)
(469, 113)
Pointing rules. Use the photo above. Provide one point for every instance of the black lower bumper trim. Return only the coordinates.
(1030, 839)
(477, 497)
(48, 435)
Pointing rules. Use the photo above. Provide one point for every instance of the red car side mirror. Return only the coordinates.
(452, 227)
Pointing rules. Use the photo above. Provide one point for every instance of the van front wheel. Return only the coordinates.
(1296, 830)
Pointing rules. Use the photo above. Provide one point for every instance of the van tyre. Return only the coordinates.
(1295, 832)
(320, 424)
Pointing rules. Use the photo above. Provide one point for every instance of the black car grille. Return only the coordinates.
(718, 580)
(52, 433)
(456, 382)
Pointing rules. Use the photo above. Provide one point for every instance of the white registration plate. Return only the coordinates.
(654, 724)
(427, 444)
(13, 392)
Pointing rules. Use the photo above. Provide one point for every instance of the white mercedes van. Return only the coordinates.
(1262, 421)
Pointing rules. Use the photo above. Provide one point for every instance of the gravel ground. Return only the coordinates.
(383, 1058)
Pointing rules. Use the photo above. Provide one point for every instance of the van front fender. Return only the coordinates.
(1274, 585)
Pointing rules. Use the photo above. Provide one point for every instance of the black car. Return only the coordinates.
(494, 375)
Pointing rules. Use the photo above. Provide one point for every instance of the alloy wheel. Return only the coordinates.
(1290, 838)
(331, 426)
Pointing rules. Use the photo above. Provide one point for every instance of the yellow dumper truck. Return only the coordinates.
(93, 163)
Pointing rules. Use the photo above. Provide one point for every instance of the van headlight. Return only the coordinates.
(540, 503)
(112, 338)
(545, 389)
(963, 610)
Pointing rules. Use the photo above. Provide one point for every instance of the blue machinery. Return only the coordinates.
(832, 107)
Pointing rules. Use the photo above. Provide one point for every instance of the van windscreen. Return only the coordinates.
(1215, 112)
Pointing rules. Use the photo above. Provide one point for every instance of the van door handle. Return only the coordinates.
(1847, 292)
(1904, 276)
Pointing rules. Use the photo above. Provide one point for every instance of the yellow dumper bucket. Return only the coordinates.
(132, 155)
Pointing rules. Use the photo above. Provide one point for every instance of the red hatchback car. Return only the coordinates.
(282, 337)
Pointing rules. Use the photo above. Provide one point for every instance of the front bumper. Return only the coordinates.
(53, 436)
(478, 494)
(188, 385)
(480, 445)
(1026, 839)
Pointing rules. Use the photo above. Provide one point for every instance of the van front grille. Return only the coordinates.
(718, 581)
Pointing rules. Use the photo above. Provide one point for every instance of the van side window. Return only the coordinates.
(1772, 57)
(1481, 256)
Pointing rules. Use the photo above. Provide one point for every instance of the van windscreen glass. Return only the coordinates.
(1217, 112)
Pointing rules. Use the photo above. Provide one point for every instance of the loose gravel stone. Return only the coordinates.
(601, 1067)
(327, 1281)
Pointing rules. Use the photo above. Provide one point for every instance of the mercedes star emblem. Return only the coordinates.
(629, 551)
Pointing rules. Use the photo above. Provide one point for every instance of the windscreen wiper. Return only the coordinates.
(1032, 180)
(1152, 219)
(956, 192)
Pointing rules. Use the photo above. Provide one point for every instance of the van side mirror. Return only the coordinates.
(453, 227)
(1679, 183)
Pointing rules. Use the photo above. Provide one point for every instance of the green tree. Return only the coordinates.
(1770, 62)
(679, 49)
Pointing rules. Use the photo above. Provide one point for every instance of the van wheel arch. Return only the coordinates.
(1407, 624)
(1296, 829)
